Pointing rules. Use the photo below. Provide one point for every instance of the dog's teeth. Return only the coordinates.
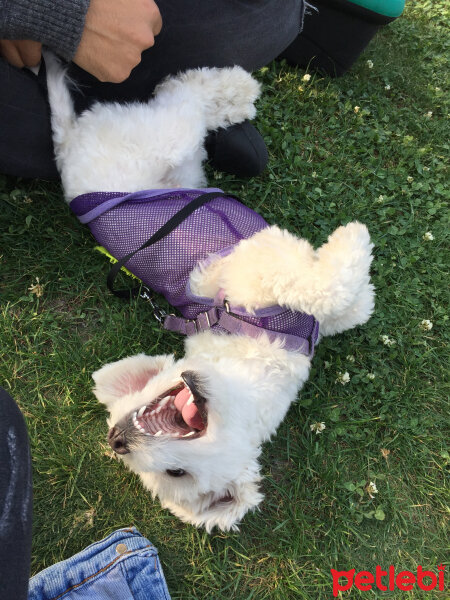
(134, 415)
(157, 410)
(189, 434)
(190, 400)
(174, 435)
(153, 412)
(164, 401)
(146, 433)
(158, 433)
(141, 411)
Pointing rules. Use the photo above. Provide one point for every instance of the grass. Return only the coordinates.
(385, 165)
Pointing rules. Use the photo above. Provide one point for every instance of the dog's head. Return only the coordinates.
(187, 431)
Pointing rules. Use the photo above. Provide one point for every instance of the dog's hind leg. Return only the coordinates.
(275, 267)
(226, 96)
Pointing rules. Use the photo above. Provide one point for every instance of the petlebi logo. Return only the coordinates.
(390, 579)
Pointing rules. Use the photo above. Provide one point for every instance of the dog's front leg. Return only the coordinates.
(275, 267)
(224, 96)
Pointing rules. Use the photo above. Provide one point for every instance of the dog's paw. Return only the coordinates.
(354, 235)
(235, 94)
(224, 95)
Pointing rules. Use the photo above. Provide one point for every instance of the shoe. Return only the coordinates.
(238, 150)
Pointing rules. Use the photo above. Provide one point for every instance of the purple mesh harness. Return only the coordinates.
(123, 222)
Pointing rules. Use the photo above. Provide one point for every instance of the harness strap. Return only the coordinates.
(205, 320)
(220, 317)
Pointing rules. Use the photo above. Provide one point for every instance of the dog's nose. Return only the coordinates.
(117, 441)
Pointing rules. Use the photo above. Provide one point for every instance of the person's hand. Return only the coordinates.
(116, 33)
(21, 53)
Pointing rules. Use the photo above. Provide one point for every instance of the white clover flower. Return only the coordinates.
(426, 325)
(372, 489)
(426, 168)
(317, 427)
(380, 198)
(37, 288)
(370, 64)
(350, 358)
(410, 179)
(387, 341)
(429, 114)
(428, 236)
(306, 77)
(218, 175)
(343, 378)
(371, 376)
(356, 109)
(314, 174)
(387, 87)
(327, 364)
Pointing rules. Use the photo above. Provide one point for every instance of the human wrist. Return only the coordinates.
(58, 25)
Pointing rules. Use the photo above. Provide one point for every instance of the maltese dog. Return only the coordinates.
(193, 428)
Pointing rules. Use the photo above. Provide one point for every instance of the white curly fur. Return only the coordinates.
(250, 383)
(156, 144)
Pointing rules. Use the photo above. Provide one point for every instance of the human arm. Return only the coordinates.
(115, 34)
(57, 24)
(104, 37)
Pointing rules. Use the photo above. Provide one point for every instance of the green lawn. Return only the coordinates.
(383, 164)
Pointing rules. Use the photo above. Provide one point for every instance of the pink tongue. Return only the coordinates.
(189, 413)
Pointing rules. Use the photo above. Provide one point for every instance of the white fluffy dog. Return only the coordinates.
(193, 428)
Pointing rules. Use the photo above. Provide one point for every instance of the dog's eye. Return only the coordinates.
(176, 472)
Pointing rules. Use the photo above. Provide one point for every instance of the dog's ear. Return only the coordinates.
(118, 379)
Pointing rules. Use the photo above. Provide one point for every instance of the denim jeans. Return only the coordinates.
(123, 566)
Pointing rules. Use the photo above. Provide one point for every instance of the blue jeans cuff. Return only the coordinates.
(123, 566)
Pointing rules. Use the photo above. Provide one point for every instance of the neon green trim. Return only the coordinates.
(114, 260)
(388, 8)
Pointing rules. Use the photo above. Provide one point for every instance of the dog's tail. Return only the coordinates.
(63, 114)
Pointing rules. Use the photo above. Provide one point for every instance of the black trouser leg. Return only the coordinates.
(334, 34)
(198, 33)
(26, 148)
(15, 502)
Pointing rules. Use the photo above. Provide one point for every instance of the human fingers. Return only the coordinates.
(21, 53)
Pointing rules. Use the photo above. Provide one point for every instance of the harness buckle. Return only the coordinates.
(191, 323)
(206, 320)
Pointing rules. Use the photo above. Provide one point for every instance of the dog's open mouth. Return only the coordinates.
(180, 412)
